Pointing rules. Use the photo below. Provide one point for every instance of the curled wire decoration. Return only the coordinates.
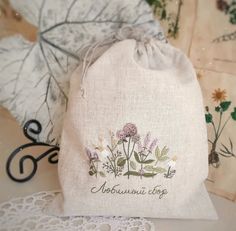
(31, 129)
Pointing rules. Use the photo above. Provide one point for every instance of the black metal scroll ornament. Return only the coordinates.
(32, 127)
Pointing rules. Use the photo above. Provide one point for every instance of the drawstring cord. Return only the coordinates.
(89, 58)
(85, 67)
(124, 33)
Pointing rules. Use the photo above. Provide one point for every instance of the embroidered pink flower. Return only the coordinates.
(130, 129)
(135, 138)
(152, 145)
(121, 135)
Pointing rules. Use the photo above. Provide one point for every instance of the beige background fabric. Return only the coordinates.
(221, 179)
(209, 50)
(167, 102)
(210, 44)
(182, 16)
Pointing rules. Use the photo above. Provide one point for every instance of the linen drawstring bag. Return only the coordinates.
(134, 141)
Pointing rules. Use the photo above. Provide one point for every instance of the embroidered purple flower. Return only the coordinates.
(147, 140)
(140, 147)
(130, 129)
(121, 135)
(152, 145)
(135, 138)
(92, 156)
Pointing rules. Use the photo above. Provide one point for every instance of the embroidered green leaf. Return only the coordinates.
(217, 109)
(148, 168)
(208, 118)
(148, 161)
(155, 170)
(233, 114)
(102, 174)
(164, 151)
(149, 174)
(121, 162)
(159, 170)
(133, 165)
(163, 158)
(161, 155)
(136, 156)
(120, 142)
(231, 144)
(225, 105)
(132, 173)
(91, 173)
(157, 153)
(227, 150)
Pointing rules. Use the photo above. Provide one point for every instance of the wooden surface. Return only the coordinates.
(12, 23)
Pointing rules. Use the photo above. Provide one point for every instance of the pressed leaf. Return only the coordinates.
(225, 105)
(121, 162)
(133, 165)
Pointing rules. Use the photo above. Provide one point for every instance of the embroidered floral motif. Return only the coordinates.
(127, 155)
(219, 95)
(218, 126)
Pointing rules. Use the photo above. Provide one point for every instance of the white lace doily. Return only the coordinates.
(25, 213)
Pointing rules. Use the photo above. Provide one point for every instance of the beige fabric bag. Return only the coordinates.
(134, 140)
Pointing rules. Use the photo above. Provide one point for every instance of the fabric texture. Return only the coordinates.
(213, 43)
(218, 91)
(26, 213)
(134, 141)
(210, 45)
